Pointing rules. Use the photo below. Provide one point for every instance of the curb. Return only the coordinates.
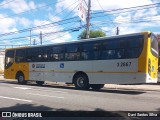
(144, 87)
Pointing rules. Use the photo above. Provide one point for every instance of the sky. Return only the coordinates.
(19, 19)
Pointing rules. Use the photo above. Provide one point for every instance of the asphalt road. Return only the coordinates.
(14, 97)
(59, 98)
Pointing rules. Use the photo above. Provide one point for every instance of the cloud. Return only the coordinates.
(67, 5)
(18, 6)
(23, 21)
(58, 38)
(114, 4)
(7, 24)
(46, 28)
(105, 4)
(126, 20)
(54, 18)
(49, 32)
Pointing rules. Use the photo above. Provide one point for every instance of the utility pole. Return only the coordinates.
(40, 37)
(88, 19)
(30, 38)
(117, 31)
(34, 41)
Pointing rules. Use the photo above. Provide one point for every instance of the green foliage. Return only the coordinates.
(93, 34)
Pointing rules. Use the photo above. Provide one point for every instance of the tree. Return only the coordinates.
(93, 34)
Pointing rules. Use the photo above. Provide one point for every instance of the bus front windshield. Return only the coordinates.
(9, 58)
(154, 45)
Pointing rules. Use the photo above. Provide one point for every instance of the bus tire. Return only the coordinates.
(81, 82)
(40, 83)
(96, 86)
(20, 78)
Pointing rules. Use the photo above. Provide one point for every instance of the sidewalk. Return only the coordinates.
(148, 87)
(144, 87)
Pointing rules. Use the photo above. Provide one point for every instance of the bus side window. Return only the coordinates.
(42, 54)
(56, 53)
(120, 53)
(86, 51)
(20, 55)
(134, 47)
(72, 52)
(113, 49)
(31, 54)
(133, 52)
(108, 50)
(91, 51)
(136, 42)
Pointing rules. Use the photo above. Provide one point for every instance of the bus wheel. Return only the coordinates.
(40, 82)
(96, 86)
(20, 78)
(81, 82)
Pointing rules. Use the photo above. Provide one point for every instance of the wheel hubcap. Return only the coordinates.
(21, 78)
(80, 81)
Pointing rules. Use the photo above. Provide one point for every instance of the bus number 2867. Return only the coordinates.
(123, 64)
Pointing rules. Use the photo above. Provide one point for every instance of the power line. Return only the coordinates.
(135, 8)
(71, 29)
(70, 12)
(35, 27)
(28, 29)
(65, 8)
(24, 30)
(104, 11)
(59, 36)
(50, 35)
(134, 22)
(6, 2)
(151, 18)
(95, 26)
(31, 9)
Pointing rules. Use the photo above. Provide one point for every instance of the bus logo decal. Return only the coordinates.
(61, 65)
(40, 65)
(33, 65)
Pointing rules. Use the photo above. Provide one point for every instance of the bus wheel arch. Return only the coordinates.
(81, 81)
(20, 77)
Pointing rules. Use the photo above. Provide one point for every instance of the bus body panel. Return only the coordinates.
(58, 71)
(11, 72)
(133, 70)
(108, 71)
(142, 60)
(147, 61)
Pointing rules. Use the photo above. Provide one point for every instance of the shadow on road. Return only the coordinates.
(48, 113)
(118, 91)
(62, 113)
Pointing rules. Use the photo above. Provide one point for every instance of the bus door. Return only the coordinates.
(9, 61)
(153, 59)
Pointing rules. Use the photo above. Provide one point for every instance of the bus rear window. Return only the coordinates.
(154, 46)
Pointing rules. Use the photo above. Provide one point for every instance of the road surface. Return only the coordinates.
(14, 97)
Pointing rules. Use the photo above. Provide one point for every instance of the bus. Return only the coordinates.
(89, 63)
